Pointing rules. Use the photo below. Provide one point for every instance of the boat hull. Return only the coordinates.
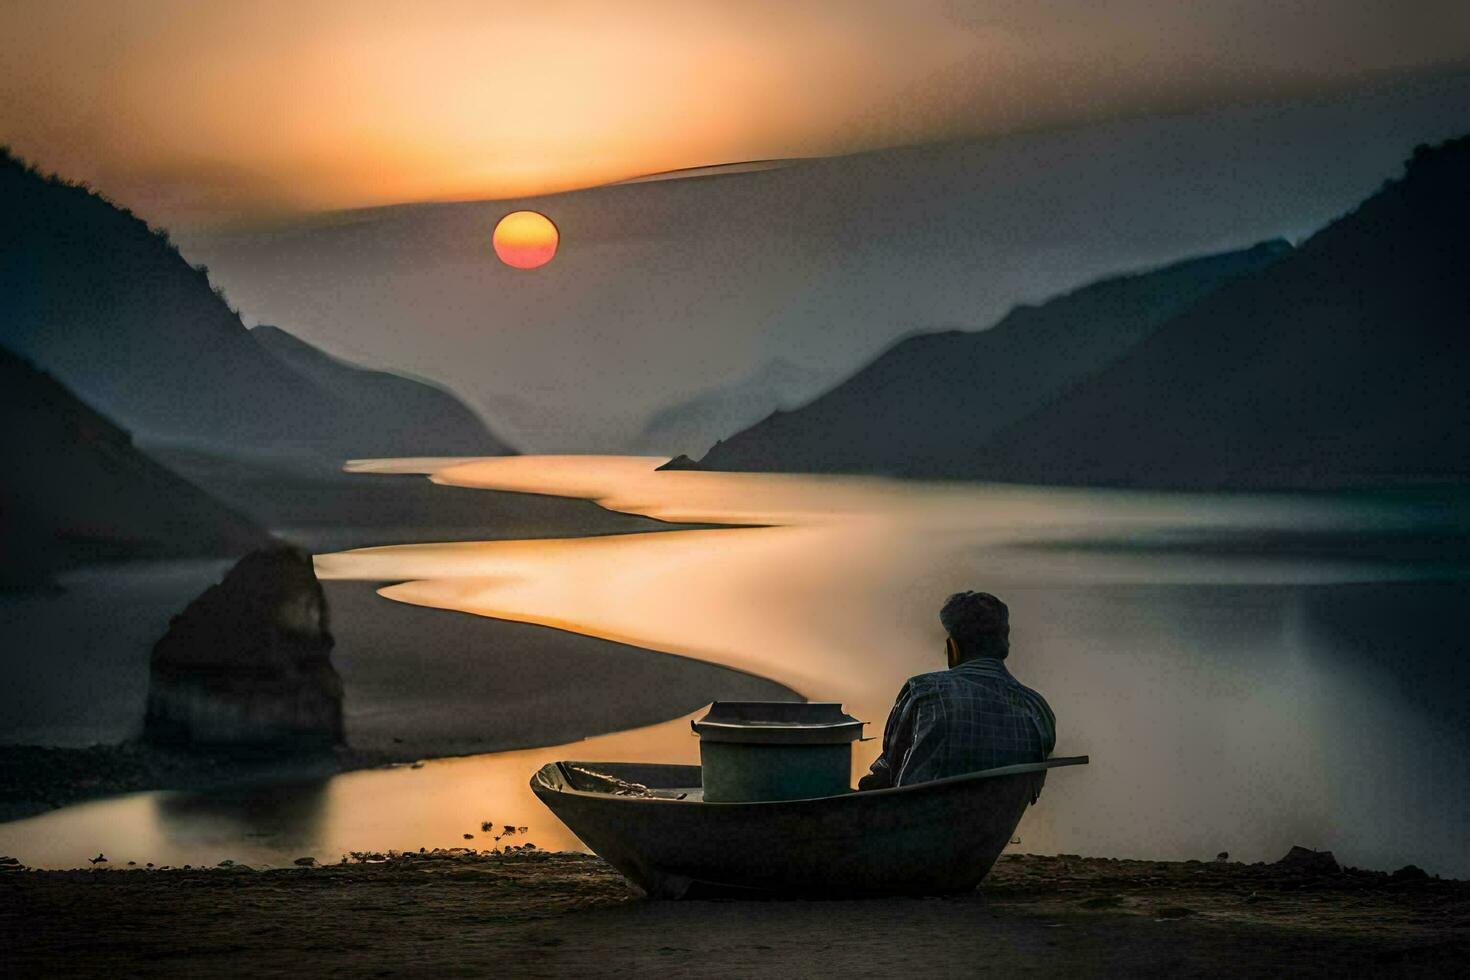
(930, 838)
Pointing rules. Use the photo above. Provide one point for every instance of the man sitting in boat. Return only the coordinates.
(971, 717)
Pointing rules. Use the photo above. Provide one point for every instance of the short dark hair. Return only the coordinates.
(979, 623)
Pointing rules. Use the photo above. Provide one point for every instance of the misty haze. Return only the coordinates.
(474, 474)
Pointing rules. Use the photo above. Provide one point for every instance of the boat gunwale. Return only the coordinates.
(1022, 768)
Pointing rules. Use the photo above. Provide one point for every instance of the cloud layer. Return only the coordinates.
(201, 112)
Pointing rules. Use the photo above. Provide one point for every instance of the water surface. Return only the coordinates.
(1247, 671)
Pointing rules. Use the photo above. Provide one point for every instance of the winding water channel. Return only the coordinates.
(1246, 671)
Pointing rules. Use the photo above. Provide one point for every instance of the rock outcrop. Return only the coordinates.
(1307, 861)
(248, 663)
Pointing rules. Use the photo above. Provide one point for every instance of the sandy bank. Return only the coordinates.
(538, 914)
(427, 683)
(419, 683)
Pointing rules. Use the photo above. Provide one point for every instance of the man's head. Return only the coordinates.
(979, 625)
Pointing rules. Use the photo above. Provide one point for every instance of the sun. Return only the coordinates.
(526, 239)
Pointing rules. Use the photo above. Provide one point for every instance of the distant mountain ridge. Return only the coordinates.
(666, 287)
(695, 423)
(417, 417)
(937, 397)
(74, 488)
(1343, 363)
(108, 305)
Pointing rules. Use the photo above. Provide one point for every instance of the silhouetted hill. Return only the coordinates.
(409, 416)
(94, 296)
(927, 405)
(1346, 363)
(74, 488)
(695, 423)
(667, 287)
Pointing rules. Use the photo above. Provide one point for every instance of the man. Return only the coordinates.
(974, 715)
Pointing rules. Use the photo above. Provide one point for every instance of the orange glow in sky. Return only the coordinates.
(200, 112)
(526, 239)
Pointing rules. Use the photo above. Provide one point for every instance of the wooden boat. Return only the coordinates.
(650, 822)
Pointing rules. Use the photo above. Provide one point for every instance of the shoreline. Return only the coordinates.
(559, 914)
(497, 685)
(420, 684)
(430, 710)
(389, 656)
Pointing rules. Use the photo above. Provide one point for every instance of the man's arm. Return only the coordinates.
(898, 737)
(1049, 728)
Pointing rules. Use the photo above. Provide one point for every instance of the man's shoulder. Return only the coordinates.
(932, 681)
(970, 673)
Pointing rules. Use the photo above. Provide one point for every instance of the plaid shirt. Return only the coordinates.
(968, 718)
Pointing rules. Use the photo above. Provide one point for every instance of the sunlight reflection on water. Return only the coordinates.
(1212, 683)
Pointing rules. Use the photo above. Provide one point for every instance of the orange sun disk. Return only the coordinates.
(526, 239)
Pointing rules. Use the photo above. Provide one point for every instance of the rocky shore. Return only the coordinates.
(490, 680)
(524, 912)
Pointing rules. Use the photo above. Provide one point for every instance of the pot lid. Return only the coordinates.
(779, 722)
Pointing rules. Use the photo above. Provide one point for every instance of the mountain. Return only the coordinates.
(96, 297)
(696, 422)
(927, 405)
(74, 488)
(109, 306)
(674, 286)
(411, 416)
(1345, 363)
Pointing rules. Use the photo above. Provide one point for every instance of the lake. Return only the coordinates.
(1247, 672)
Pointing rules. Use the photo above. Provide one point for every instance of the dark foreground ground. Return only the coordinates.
(535, 914)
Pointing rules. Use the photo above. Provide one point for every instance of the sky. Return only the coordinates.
(664, 290)
(205, 113)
